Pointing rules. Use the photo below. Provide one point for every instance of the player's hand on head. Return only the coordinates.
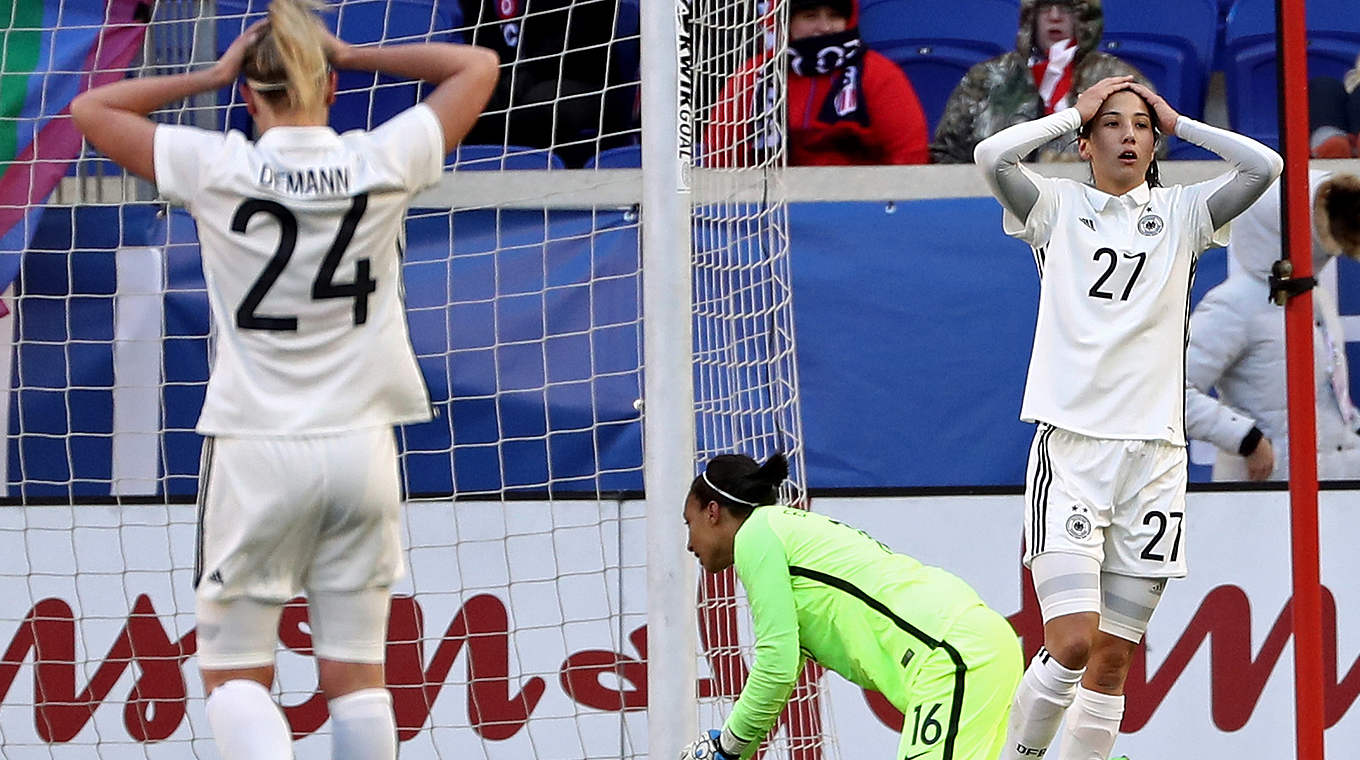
(1166, 115)
(229, 65)
(336, 50)
(707, 747)
(1088, 103)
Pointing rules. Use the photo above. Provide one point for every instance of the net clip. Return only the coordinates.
(1284, 285)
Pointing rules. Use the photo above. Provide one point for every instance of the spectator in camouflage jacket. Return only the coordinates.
(1002, 91)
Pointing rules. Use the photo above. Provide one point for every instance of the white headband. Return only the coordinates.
(725, 494)
(259, 86)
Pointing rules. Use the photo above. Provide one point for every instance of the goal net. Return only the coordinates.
(746, 377)
(520, 629)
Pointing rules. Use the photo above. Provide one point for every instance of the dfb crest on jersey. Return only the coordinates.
(1079, 526)
(1150, 224)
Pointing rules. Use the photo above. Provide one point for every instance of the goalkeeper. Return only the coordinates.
(823, 590)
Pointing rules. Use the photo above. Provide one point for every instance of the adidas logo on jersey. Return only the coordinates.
(216, 577)
(1090, 224)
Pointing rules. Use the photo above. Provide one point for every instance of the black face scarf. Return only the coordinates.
(825, 53)
(828, 53)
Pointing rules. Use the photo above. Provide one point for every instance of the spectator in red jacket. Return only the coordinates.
(847, 105)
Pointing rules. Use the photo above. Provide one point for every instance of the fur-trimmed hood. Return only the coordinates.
(1090, 25)
(1335, 216)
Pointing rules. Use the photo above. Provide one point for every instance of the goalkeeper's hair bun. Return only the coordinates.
(739, 483)
(288, 60)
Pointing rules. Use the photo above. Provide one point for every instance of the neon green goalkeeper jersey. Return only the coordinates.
(824, 590)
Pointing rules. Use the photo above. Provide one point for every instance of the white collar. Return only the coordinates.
(284, 137)
(1100, 200)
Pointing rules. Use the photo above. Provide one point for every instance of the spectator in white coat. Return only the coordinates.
(1237, 345)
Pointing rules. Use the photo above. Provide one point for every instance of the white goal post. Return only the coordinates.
(540, 302)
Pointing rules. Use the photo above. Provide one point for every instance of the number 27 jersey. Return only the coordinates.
(1114, 305)
(301, 235)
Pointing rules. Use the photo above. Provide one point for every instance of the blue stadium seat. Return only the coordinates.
(91, 163)
(1223, 7)
(1174, 74)
(937, 48)
(1250, 58)
(1175, 57)
(500, 157)
(1180, 150)
(623, 157)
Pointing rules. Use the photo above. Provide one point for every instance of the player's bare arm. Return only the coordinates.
(465, 76)
(114, 117)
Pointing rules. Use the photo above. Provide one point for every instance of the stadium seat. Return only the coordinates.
(623, 157)
(1180, 150)
(502, 157)
(1250, 58)
(937, 48)
(1174, 74)
(1223, 7)
(91, 163)
(1175, 57)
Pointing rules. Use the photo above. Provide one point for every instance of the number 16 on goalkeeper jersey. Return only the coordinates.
(823, 590)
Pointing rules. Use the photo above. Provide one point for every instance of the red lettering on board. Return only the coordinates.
(600, 679)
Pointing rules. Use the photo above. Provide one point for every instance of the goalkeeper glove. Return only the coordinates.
(709, 746)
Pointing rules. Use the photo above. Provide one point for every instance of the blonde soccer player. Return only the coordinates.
(300, 235)
(1105, 486)
(822, 590)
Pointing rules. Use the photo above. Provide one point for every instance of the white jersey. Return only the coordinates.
(301, 237)
(1114, 305)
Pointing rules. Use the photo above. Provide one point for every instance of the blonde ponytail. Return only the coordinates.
(290, 55)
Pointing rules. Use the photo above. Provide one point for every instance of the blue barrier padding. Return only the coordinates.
(914, 324)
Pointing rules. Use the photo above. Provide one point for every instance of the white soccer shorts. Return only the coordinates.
(280, 515)
(1121, 502)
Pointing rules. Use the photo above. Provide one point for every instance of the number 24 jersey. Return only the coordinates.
(1114, 305)
(301, 234)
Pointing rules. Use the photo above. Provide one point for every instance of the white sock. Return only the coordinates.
(247, 724)
(363, 726)
(1091, 727)
(1044, 693)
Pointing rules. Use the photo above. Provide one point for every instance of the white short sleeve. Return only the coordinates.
(1038, 226)
(178, 154)
(413, 143)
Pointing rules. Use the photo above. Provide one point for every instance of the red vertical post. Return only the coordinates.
(1303, 490)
